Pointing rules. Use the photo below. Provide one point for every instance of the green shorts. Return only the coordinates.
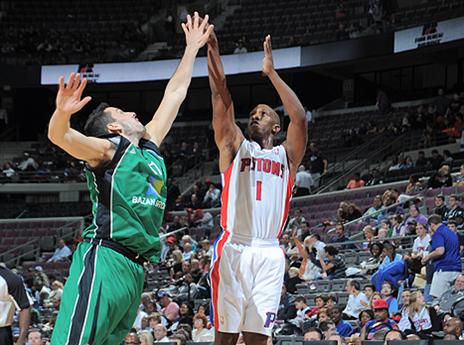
(100, 299)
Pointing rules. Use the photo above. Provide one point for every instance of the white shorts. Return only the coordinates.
(246, 284)
(441, 282)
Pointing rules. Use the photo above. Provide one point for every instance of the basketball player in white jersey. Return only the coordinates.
(248, 265)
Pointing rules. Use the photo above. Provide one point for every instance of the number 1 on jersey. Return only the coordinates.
(258, 189)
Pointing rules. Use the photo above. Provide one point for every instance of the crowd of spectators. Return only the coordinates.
(408, 286)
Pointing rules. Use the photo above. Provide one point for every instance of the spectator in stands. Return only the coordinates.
(399, 227)
(454, 326)
(296, 220)
(200, 332)
(381, 322)
(395, 272)
(441, 102)
(375, 178)
(160, 334)
(452, 224)
(188, 251)
(394, 334)
(440, 206)
(355, 182)
(301, 310)
(369, 234)
(313, 334)
(240, 48)
(445, 256)
(348, 212)
(335, 266)
(132, 338)
(450, 296)
(458, 180)
(382, 102)
(375, 211)
(309, 268)
(146, 338)
(293, 279)
(387, 294)
(206, 249)
(8, 171)
(455, 211)
(414, 214)
(212, 196)
(28, 163)
(340, 236)
(328, 328)
(442, 178)
(34, 337)
(436, 160)
(318, 164)
(169, 308)
(303, 181)
(357, 300)
(403, 311)
(373, 262)
(61, 253)
(424, 320)
(319, 302)
(421, 242)
(57, 291)
(414, 185)
(421, 161)
(389, 254)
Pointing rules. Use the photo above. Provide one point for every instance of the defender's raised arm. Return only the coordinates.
(197, 32)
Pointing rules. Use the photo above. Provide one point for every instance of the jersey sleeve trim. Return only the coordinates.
(121, 144)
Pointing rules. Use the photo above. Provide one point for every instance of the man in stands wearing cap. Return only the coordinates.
(170, 309)
(381, 323)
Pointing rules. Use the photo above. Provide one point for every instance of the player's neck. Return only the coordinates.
(265, 143)
(133, 138)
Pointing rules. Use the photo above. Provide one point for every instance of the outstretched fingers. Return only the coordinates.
(204, 23)
(189, 22)
(61, 83)
(81, 88)
(83, 102)
(196, 20)
(69, 84)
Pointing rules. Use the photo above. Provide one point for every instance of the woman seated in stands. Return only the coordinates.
(200, 333)
(370, 265)
(369, 234)
(423, 320)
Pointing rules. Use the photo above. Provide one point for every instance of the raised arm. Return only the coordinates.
(227, 134)
(196, 35)
(68, 102)
(297, 133)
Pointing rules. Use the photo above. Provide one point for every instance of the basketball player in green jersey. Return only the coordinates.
(126, 177)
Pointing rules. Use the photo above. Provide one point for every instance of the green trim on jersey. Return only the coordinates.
(128, 197)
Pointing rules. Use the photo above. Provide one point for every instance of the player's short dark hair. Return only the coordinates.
(95, 125)
(317, 330)
(434, 219)
(300, 299)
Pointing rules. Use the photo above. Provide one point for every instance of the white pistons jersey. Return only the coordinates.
(257, 188)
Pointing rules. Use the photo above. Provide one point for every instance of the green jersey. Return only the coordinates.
(128, 197)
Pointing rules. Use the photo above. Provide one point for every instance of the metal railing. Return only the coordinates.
(12, 258)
